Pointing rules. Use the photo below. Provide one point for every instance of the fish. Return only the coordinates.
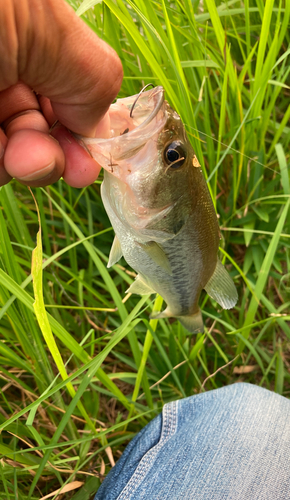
(160, 208)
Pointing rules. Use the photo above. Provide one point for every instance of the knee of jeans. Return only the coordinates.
(250, 391)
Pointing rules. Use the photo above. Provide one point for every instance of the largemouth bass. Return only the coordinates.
(159, 205)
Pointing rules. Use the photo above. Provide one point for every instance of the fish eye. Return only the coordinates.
(175, 154)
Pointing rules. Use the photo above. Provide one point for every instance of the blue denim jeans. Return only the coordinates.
(229, 444)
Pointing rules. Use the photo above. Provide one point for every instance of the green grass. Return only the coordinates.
(83, 369)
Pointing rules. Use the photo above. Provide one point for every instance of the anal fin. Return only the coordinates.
(221, 288)
(115, 252)
(140, 287)
(164, 314)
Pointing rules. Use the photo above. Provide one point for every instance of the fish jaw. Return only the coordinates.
(129, 132)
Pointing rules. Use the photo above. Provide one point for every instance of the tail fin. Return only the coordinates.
(192, 323)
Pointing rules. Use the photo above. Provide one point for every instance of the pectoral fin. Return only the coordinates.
(140, 287)
(115, 253)
(221, 287)
(157, 254)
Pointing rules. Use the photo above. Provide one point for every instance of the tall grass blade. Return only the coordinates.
(263, 275)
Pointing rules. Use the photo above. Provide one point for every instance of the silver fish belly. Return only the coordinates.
(160, 208)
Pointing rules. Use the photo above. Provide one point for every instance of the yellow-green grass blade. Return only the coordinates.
(29, 337)
(284, 169)
(217, 25)
(85, 5)
(166, 359)
(184, 108)
(63, 335)
(15, 215)
(86, 380)
(54, 259)
(147, 344)
(107, 279)
(263, 41)
(233, 139)
(261, 281)
(42, 318)
(281, 129)
(120, 333)
(130, 26)
(59, 331)
(279, 375)
(253, 351)
(199, 64)
(179, 70)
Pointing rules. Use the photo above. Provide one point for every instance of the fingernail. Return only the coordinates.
(39, 174)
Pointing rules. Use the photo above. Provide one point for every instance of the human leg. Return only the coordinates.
(229, 444)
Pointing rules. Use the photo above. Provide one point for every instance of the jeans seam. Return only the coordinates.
(168, 429)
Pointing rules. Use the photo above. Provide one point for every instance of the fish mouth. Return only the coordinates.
(133, 121)
(146, 102)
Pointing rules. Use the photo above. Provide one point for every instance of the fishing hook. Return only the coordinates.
(141, 91)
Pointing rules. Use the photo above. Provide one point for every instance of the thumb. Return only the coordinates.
(67, 62)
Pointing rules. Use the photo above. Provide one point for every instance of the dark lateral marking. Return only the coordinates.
(125, 131)
(178, 226)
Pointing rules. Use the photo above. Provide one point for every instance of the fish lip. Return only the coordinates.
(159, 90)
(108, 152)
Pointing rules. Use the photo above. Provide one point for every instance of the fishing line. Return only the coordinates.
(236, 150)
(233, 149)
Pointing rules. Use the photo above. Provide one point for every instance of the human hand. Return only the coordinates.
(52, 67)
